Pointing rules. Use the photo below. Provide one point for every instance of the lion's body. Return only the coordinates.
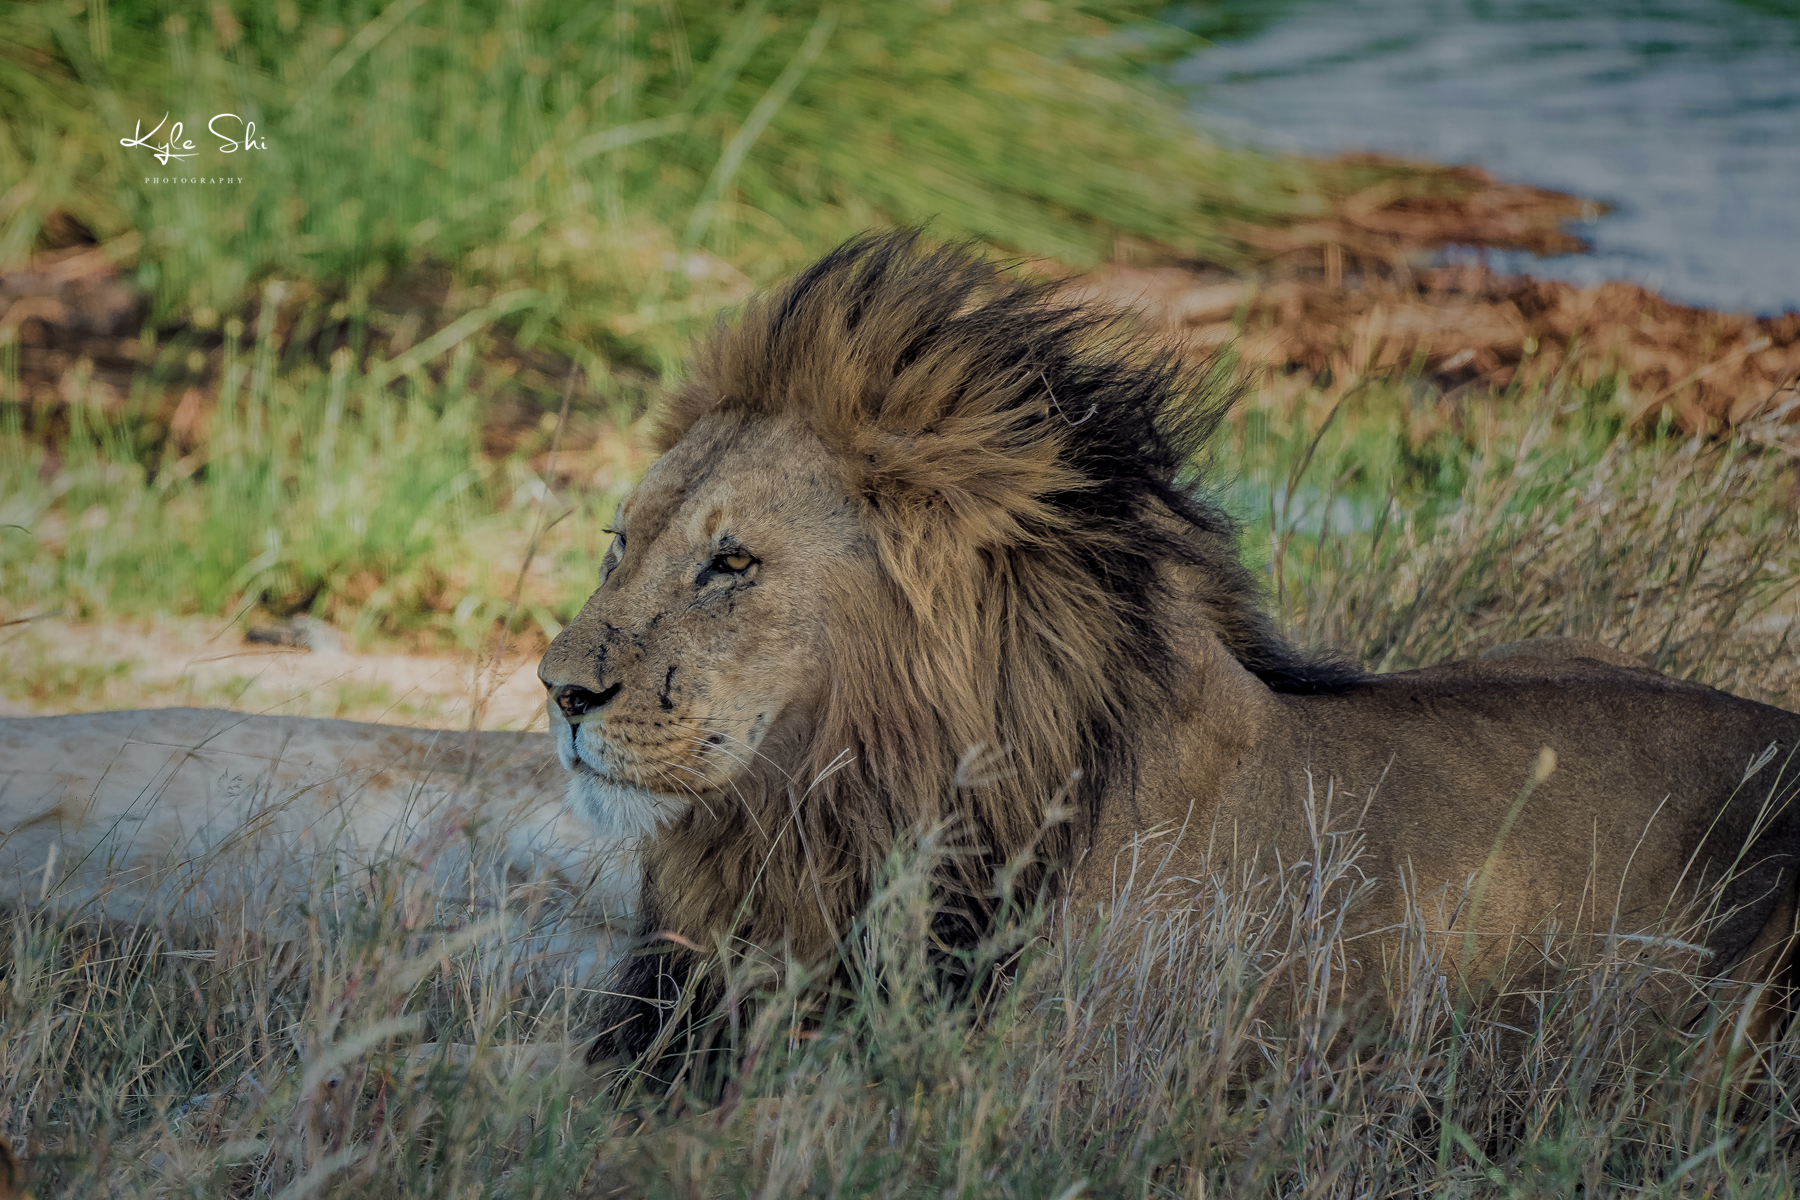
(186, 812)
(924, 546)
(1622, 836)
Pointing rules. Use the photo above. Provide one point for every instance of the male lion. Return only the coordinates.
(910, 508)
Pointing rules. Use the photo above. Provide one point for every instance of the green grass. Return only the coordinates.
(1535, 516)
(367, 512)
(585, 153)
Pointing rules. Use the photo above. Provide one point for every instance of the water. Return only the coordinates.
(1684, 116)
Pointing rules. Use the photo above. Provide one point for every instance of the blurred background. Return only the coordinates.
(358, 373)
(1684, 118)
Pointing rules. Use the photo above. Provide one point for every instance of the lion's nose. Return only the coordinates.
(576, 701)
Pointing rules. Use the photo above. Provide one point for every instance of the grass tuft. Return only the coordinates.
(1181, 1049)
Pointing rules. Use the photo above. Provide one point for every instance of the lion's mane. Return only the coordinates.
(1028, 475)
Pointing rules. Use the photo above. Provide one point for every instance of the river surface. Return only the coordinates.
(1683, 115)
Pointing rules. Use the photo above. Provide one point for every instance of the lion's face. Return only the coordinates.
(701, 659)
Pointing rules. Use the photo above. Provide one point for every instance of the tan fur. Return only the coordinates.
(980, 588)
(193, 814)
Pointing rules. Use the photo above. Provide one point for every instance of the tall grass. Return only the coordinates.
(1186, 1048)
(1536, 516)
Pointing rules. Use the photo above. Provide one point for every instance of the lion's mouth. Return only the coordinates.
(659, 769)
(583, 760)
(582, 763)
(618, 808)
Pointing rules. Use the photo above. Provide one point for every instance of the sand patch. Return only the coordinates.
(54, 666)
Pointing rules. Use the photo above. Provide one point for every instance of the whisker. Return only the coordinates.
(701, 721)
(692, 790)
(743, 803)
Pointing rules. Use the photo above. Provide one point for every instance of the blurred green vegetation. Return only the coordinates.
(316, 492)
(580, 150)
(461, 203)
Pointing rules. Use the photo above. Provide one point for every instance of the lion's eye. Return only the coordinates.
(614, 553)
(734, 562)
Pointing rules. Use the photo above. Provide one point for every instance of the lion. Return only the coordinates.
(925, 543)
(187, 814)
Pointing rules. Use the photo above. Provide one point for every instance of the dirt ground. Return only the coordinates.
(56, 666)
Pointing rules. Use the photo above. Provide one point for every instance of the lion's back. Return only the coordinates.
(1652, 784)
(1620, 724)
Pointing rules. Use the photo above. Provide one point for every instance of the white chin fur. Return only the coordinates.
(618, 810)
(622, 812)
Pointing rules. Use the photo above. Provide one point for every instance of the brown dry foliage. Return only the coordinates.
(1469, 325)
(1425, 207)
(1353, 294)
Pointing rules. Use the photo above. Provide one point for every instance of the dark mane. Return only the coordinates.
(1131, 427)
